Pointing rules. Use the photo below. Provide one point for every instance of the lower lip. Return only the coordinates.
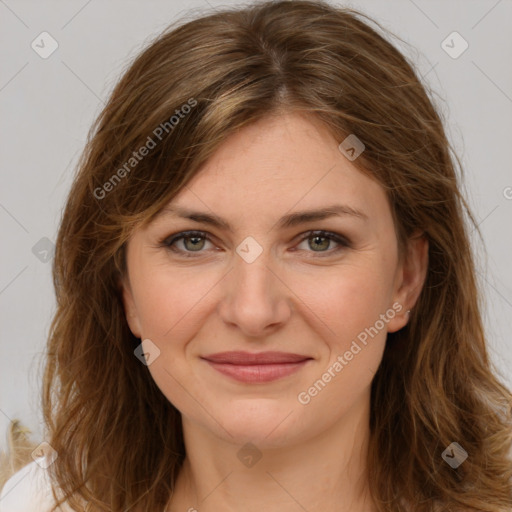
(257, 372)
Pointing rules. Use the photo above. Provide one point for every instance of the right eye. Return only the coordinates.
(192, 242)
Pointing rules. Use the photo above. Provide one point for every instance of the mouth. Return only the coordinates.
(257, 367)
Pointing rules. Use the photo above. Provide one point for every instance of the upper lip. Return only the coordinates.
(248, 358)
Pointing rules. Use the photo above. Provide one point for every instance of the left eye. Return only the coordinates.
(322, 239)
(194, 241)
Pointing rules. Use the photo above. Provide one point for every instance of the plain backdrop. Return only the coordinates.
(47, 106)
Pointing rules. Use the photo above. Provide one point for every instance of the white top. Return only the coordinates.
(28, 490)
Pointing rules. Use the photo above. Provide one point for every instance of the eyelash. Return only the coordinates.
(170, 240)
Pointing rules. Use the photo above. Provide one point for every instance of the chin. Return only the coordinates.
(270, 424)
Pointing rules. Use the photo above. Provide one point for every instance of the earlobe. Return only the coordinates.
(412, 276)
(130, 309)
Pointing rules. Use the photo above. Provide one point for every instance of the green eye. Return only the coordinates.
(322, 239)
(194, 242)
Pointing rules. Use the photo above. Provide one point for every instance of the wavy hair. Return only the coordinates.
(119, 440)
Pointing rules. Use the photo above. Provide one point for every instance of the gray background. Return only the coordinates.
(48, 105)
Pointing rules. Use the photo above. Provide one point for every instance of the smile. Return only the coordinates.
(256, 368)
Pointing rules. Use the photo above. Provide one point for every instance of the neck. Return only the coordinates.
(324, 473)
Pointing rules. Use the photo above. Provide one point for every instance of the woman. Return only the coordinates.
(266, 293)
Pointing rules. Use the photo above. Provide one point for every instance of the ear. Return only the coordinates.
(130, 308)
(410, 278)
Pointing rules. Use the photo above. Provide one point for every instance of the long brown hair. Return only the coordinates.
(119, 440)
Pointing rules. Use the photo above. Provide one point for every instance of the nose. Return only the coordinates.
(255, 297)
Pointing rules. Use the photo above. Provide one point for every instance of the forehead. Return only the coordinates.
(278, 165)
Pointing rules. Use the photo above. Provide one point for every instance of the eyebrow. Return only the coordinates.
(287, 221)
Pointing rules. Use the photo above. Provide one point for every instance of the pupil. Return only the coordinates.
(316, 238)
(194, 241)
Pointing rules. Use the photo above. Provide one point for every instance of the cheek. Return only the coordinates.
(348, 299)
(168, 299)
(338, 303)
(351, 312)
(170, 303)
(356, 314)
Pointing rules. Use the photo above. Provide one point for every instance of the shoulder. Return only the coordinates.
(28, 490)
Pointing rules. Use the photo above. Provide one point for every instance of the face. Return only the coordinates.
(324, 289)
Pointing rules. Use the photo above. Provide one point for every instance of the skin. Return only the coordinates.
(300, 295)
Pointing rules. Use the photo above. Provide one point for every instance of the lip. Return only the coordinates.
(256, 367)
